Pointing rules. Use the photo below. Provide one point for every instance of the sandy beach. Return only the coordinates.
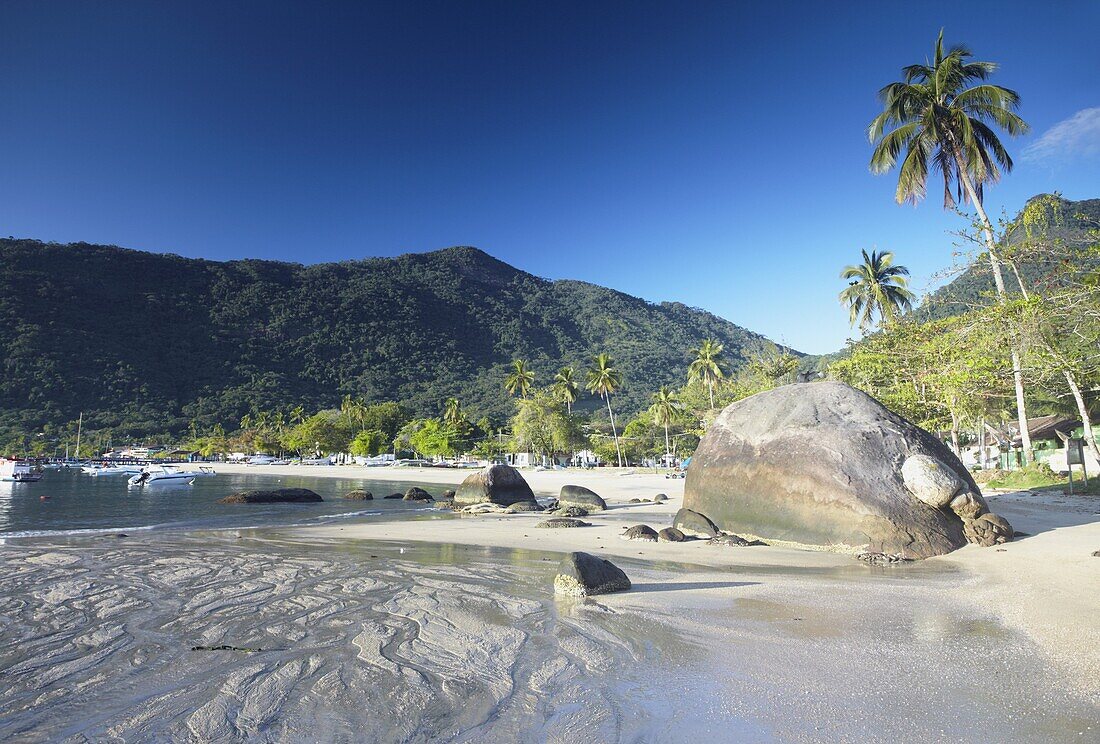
(444, 627)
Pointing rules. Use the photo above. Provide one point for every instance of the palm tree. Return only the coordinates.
(452, 411)
(666, 407)
(520, 379)
(877, 287)
(566, 388)
(940, 116)
(603, 380)
(708, 365)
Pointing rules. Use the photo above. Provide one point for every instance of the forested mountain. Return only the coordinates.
(147, 343)
(974, 285)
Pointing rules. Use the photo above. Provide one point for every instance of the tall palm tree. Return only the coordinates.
(708, 365)
(940, 115)
(666, 407)
(877, 287)
(520, 379)
(603, 380)
(452, 411)
(566, 388)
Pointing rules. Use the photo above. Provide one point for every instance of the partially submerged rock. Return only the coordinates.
(497, 484)
(560, 522)
(417, 494)
(359, 495)
(694, 524)
(276, 496)
(671, 534)
(586, 575)
(825, 464)
(582, 497)
(394, 496)
(640, 532)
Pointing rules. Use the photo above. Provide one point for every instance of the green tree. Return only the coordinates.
(940, 115)
(707, 365)
(565, 387)
(368, 443)
(665, 410)
(452, 411)
(603, 380)
(876, 288)
(520, 379)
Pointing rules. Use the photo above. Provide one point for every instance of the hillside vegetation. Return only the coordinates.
(148, 344)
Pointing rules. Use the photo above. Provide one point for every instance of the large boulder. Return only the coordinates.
(497, 484)
(825, 464)
(582, 497)
(276, 496)
(583, 575)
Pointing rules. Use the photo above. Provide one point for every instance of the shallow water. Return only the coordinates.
(76, 502)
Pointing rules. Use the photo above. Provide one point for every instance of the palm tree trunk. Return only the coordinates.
(710, 389)
(614, 434)
(1083, 411)
(668, 449)
(995, 263)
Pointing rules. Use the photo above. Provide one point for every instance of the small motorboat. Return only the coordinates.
(165, 474)
(112, 470)
(18, 472)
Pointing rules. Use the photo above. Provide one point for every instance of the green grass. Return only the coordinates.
(1040, 476)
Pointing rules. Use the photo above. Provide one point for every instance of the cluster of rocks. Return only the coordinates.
(275, 496)
(690, 527)
(877, 558)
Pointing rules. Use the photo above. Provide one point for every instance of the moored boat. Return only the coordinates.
(164, 474)
(19, 472)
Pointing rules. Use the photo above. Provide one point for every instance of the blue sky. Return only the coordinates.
(710, 153)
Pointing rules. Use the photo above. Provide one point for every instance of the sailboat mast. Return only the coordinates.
(79, 423)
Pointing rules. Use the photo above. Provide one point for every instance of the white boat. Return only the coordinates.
(96, 471)
(19, 472)
(164, 474)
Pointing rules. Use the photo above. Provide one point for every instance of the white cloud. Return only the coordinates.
(1075, 137)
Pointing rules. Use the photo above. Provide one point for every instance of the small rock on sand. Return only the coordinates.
(580, 496)
(585, 575)
(558, 522)
(695, 524)
(522, 506)
(640, 532)
(571, 511)
(733, 541)
(659, 498)
(671, 534)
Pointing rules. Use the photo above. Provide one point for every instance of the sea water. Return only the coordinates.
(70, 502)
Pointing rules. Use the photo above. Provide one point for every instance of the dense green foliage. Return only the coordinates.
(150, 346)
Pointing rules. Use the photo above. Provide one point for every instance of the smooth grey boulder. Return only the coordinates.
(585, 575)
(640, 532)
(582, 497)
(825, 464)
(496, 484)
(417, 494)
(694, 524)
(276, 496)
